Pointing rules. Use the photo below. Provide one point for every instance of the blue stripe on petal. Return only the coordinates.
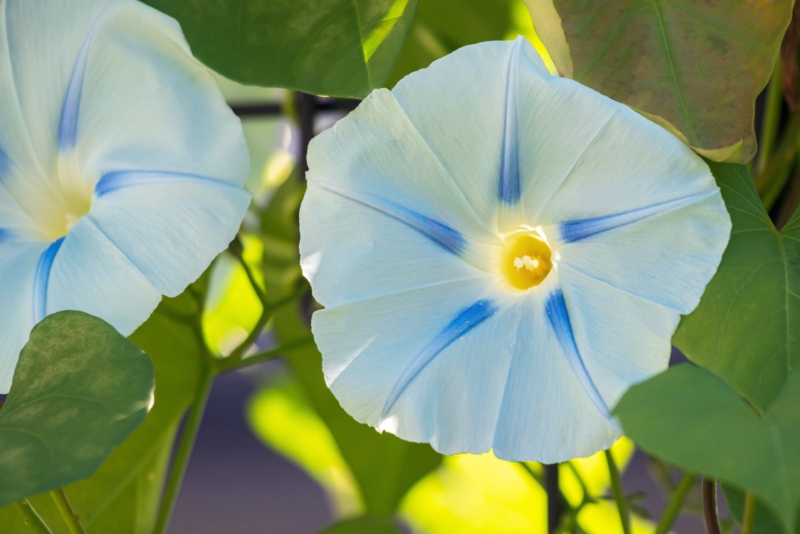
(42, 280)
(466, 320)
(558, 315)
(70, 110)
(577, 230)
(441, 234)
(5, 235)
(509, 167)
(114, 181)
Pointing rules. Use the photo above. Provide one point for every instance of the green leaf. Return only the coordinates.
(79, 390)
(436, 31)
(340, 48)
(746, 326)
(384, 466)
(692, 419)
(694, 67)
(129, 482)
(765, 521)
(364, 525)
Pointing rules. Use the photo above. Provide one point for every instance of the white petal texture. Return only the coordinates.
(121, 166)
(501, 254)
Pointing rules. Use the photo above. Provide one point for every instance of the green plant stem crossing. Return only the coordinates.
(619, 493)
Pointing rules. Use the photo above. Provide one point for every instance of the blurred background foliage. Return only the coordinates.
(246, 302)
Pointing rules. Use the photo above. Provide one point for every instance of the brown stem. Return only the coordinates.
(710, 511)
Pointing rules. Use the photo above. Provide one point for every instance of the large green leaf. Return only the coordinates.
(692, 419)
(79, 390)
(384, 466)
(695, 67)
(747, 326)
(333, 47)
(764, 521)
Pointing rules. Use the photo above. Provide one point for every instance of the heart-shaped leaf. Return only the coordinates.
(79, 390)
(331, 47)
(747, 326)
(694, 67)
(692, 419)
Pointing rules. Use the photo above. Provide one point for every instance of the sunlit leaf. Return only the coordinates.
(232, 307)
(281, 415)
(694, 67)
(79, 390)
(332, 47)
(746, 326)
(694, 420)
(476, 494)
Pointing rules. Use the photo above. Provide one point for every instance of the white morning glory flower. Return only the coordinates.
(121, 167)
(501, 253)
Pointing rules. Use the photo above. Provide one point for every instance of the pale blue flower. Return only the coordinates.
(501, 254)
(121, 167)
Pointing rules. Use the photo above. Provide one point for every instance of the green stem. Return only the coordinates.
(772, 119)
(32, 517)
(185, 446)
(777, 169)
(710, 511)
(619, 494)
(65, 509)
(237, 253)
(748, 519)
(534, 476)
(676, 503)
(225, 365)
(266, 314)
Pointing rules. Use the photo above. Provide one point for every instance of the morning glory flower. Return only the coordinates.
(121, 167)
(500, 254)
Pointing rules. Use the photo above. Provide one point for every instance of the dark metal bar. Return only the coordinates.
(275, 109)
(306, 112)
(554, 499)
(268, 109)
(337, 104)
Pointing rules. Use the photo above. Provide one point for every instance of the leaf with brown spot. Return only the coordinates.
(694, 67)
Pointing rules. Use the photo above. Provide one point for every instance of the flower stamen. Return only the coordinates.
(526, 260)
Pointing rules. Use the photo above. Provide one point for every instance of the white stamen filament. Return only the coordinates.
(527, 262)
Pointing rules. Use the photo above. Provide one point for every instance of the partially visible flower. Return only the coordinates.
(501, 253)
(121, 167)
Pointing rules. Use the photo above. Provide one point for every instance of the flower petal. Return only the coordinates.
(667, 258)
(427, 364)
(39, 44)
(477, 143)
(115, 88)
(546, 413)
(351, 251)
(170, 230)
(616, 357)
(18, 263)
(378, 152)
(91, 275)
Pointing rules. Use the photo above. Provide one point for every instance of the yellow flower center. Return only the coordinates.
(71, 198)
(525, 261)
